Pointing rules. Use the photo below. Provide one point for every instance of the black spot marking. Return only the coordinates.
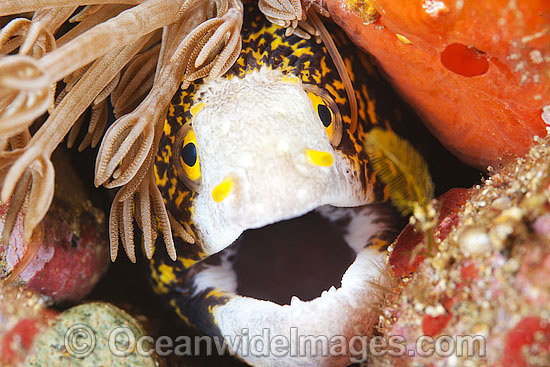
(189, 154)
(324, 115)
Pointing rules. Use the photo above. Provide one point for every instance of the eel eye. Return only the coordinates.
(186, 157)
(328, 112)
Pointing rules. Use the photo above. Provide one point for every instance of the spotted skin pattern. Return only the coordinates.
(264, 45)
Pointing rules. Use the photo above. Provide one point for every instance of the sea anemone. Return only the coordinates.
(69, 56)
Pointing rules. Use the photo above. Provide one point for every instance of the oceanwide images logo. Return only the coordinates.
(357, 347)
(81, 341)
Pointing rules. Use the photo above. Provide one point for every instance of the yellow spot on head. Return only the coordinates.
(319, 158)
(196, 108)
(302, 51)
(403, 39)
(292, 79)
(187, 263)
(167, 127)
(179, 199)
(215, 293)
(166, 273)
(223, 189)
(338, 98)
(371, 111)
(161, 181)
(172, 188)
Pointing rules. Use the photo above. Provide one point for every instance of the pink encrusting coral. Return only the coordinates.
(23, 316)
(68, 254)
(485, 292)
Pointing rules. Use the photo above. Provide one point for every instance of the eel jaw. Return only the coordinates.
(343, 315)
(347, 313)
(255, 134)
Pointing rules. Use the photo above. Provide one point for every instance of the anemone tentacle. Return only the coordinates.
(133, 52)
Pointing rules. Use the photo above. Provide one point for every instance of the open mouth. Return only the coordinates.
(323, 275)
(300, 257)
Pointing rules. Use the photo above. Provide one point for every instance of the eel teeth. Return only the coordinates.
(295, 300)
(330, 290)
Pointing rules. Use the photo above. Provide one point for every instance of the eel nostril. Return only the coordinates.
(220, 192)
(319, 158)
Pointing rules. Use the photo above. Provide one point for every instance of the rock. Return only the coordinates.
(23, 316)
(542, 225)
(68, 252)
(92, 334)
(449, 204)
(474, 241)
(490, 304)
(527, 343)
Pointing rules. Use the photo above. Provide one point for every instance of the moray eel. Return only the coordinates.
(269, 141)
